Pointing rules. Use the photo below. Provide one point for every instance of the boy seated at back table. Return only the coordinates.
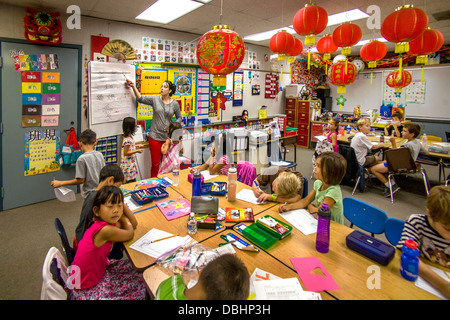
(410, 132)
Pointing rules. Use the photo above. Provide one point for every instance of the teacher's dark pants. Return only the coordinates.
(155, 152)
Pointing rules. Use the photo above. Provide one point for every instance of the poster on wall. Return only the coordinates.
(415, 92)
(238, 88)
(41, 151)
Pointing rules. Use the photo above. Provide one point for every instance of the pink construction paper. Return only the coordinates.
(313, 282)
(174, 208)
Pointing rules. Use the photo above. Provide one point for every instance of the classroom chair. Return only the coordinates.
(305, 188)
(240, 146)
(400, 162)
(353, 169)
(54, 276)
(68, 250)
(361, 181)
(364, 216)
(447, 134)
(393, 229)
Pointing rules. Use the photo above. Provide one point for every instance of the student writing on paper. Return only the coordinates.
(111, 174)
(129, 163)
(164, 108)
(93, 275)
(282, 185)
(88, 165)
(171, 149)
(329, 170)
(224, 278)
(431, 231)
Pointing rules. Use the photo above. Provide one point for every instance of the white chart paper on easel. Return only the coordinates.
(110, 99)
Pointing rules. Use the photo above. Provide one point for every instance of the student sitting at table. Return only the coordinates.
(224, 278)
(111, 174)
(410, 132)
(396, 125)
(281, 184)
(431, 231)
(218, 162)
(329, 170)
(363, 145)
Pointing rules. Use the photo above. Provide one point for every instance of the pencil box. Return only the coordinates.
(438, 149)
(256, 235)
(370, 247)
(273, 226)
(214, 188)
(205, 209)
(148, 195)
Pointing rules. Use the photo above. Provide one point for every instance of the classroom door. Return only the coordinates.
(18, 189)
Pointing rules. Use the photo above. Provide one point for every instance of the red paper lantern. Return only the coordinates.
(373, 51)
(309, 21)
(282, 42)
(403, 25)
(298, 47)
(341, 74)
(346, 35)
(427, 43)
(398, 80)
(326, 46)
(220, 51)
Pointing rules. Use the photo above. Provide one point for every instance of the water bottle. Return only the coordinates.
(382, 137)
(192, 224)
(323, 229)
(349, 129)
(176, 175)
(425, 141)
(232, 180)
(197, 184)
(409, 267)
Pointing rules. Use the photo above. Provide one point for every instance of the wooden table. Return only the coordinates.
(153, 218)
(349, 269)
(154, 275)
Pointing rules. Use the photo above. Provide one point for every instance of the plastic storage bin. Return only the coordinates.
(214, 188)
(291, 131)
(148, 195)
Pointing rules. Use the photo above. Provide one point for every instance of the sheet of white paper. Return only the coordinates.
(320, 138)
(131, 204)
(207, 176)
(302, 220)
(64, 194)
(279, 163)
(156, 249)
(278, 289)
(247, 196)
(443, 144)
(423, 284)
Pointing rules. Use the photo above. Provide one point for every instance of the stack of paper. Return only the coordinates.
(302, 220)
(156, 249)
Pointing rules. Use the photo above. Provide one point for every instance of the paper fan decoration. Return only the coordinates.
(119, 49)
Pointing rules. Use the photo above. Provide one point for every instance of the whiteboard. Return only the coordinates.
(110, 99)
(370, 96)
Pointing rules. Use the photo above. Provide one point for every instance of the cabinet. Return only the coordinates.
(298, 116)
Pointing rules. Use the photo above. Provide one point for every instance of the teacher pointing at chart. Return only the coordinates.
(164, 108)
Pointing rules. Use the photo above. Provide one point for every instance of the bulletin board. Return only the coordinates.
(110, 99)
(184, 78)
(428, 100)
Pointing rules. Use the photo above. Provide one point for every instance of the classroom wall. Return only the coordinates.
(11, 26)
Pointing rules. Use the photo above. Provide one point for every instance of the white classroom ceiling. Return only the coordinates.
(246, 17)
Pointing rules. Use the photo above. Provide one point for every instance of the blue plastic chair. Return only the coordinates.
(364, 216)
(305, 187)
(68, 250)
(393, 229)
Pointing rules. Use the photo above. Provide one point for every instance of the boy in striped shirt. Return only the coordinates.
(431, 232)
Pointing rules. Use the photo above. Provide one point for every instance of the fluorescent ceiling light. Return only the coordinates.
(334, 19)
(350, 15)
(267, 34)
(165, 11)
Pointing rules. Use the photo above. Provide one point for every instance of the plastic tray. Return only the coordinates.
(148, 195)
(256, 235)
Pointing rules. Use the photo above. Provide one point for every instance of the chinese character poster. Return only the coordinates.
(41, 150)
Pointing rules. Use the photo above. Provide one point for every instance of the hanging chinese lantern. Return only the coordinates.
(427, 43)
(309, 21)
(371, 52)
(403, 25)
(347, 35)
(220, 51)
(298, 47)
(282, 42)
(342, 74)
(326, 46)
(398, 79)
